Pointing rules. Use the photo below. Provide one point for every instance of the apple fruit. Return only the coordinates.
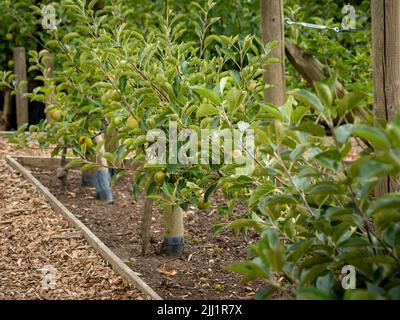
(132, 123)
(9, 36)
(56, 114)
(159, 177)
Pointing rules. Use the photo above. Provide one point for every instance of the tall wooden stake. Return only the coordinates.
(20, 73)
(273, 29)
(386, 64)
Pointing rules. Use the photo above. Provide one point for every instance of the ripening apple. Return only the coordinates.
(132, 123)
(56, 114)
(10, 64)
(159, 177)
(9, 36)
(252, 86)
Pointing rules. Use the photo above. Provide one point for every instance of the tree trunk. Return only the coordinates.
(102, 176)
(173, 231)
(146, 224)
(62, 172)
(386, 64)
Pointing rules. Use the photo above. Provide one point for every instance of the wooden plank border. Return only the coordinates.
(38, 162)
(44, 162)
(4, 133)
(117, 264)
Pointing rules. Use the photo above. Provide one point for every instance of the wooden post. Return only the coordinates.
(20, 73)
(386, 64)
(273, 29)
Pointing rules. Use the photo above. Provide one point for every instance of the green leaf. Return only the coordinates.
(206, 110)
(324, 188)
(208, 94)
(240, 224)
(360, 294)
(251, 270)
(324, 93)
(74, 163)
(234, 98)
(387, 202)
(350, 101)
(270, 111)
(374, 136)
(258, 193)
(298, 250)
(313, 294)
(308, 98)
(343, 133)
(118, 175)
(88, 166)
(312, 128)
(392, 235)
(268, 201)
(271, 251)
(70, 36)
(265, 292)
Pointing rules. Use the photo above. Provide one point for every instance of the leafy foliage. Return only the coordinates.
(124, 72)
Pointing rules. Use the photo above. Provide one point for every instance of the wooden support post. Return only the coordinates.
(386, 64)
(21, 75)
(273, 29)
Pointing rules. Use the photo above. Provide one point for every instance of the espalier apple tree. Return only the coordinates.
(122, 83)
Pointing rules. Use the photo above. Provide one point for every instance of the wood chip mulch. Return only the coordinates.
(41, 256)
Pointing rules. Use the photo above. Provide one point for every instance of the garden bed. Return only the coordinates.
(199, 274)
(33, 236)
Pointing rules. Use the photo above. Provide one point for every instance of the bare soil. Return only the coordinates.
(199, 274)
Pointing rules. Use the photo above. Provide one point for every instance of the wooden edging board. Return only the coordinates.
(45, 162)
(117, 264)
(3, 133)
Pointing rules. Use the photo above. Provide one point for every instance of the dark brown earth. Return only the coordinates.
(199, 274)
